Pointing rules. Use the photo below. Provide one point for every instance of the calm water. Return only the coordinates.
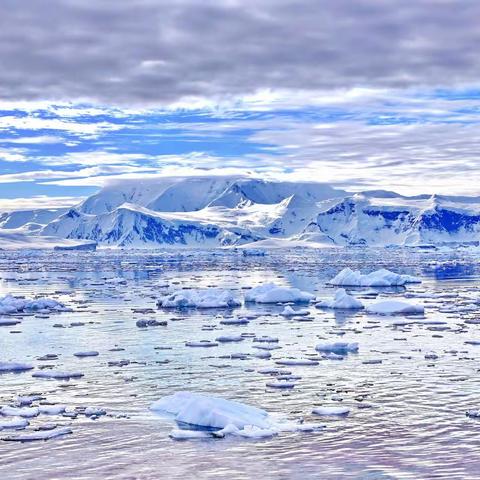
(416, 427)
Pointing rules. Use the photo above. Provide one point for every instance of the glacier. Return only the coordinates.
(244, 212)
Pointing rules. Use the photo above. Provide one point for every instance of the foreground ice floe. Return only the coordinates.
(6, 367)
(39, 435)
(380, 278)
(11, 305)
(342, 300)
(200, 298)
(393, 307)
(220, 417)
(271, 293)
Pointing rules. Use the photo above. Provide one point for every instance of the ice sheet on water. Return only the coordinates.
(379, 278)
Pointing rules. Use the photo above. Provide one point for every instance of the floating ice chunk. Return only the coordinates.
(211, 412)
(271, 293)
(183, 434)
(234, 321)
(230, 338)
(281, 384)
(25, 412)
(338, 411)
(11, 305)
(94, 412)
(224, 417)
(379, 278)
(339, 348)
(198, 298)
(202, 343)
(91, 353)
(473, 413)
(393, 307)
(299, 362)
(342, 301)
(14, 423)
(14, 367)
(41, 435)
(249, 431)
(55, 374)
(7, 322)
(253, 252)
(52, 409)
(288, 311)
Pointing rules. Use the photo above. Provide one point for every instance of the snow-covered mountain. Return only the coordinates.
(209, 212)
(398, 220)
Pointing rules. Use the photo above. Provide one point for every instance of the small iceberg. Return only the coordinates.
(380, 278)
(217, 417)
(394, 307)
(11, 305)
(288, 311)
(342, 300)
(200, 298)
(271, 293)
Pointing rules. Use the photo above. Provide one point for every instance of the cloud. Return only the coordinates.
(159, 52)
(39, 201)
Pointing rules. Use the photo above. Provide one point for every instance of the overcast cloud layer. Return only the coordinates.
(158, 52)
(363, 94)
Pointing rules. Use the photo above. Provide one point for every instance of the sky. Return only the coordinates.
(362, 94)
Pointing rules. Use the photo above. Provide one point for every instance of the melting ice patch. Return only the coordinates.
(380, 278)
(219, 417)
(200, 298)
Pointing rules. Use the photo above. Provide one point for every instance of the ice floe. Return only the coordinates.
(6, 367)
(394, 307)
(271, 293)
(288, 311)
(10, 305)
(342, 300)
(327, 411)
(380, 278)
(39, 435)
(200, 298)
(339, 348)
(220, 417)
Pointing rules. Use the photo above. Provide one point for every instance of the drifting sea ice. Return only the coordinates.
(200, 298)
(288, 311)
(11, 305)
(225, 417)
(380, 278)
(40, 435)
(271, 293)
(342, 300)
(340, 348)
(14, 367)
(394, 307)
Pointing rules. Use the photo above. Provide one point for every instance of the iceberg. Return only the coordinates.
(380, 278)
(342, 300)
(271, 293)
(393, 307)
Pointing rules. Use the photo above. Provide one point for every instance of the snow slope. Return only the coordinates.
(208, 212)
